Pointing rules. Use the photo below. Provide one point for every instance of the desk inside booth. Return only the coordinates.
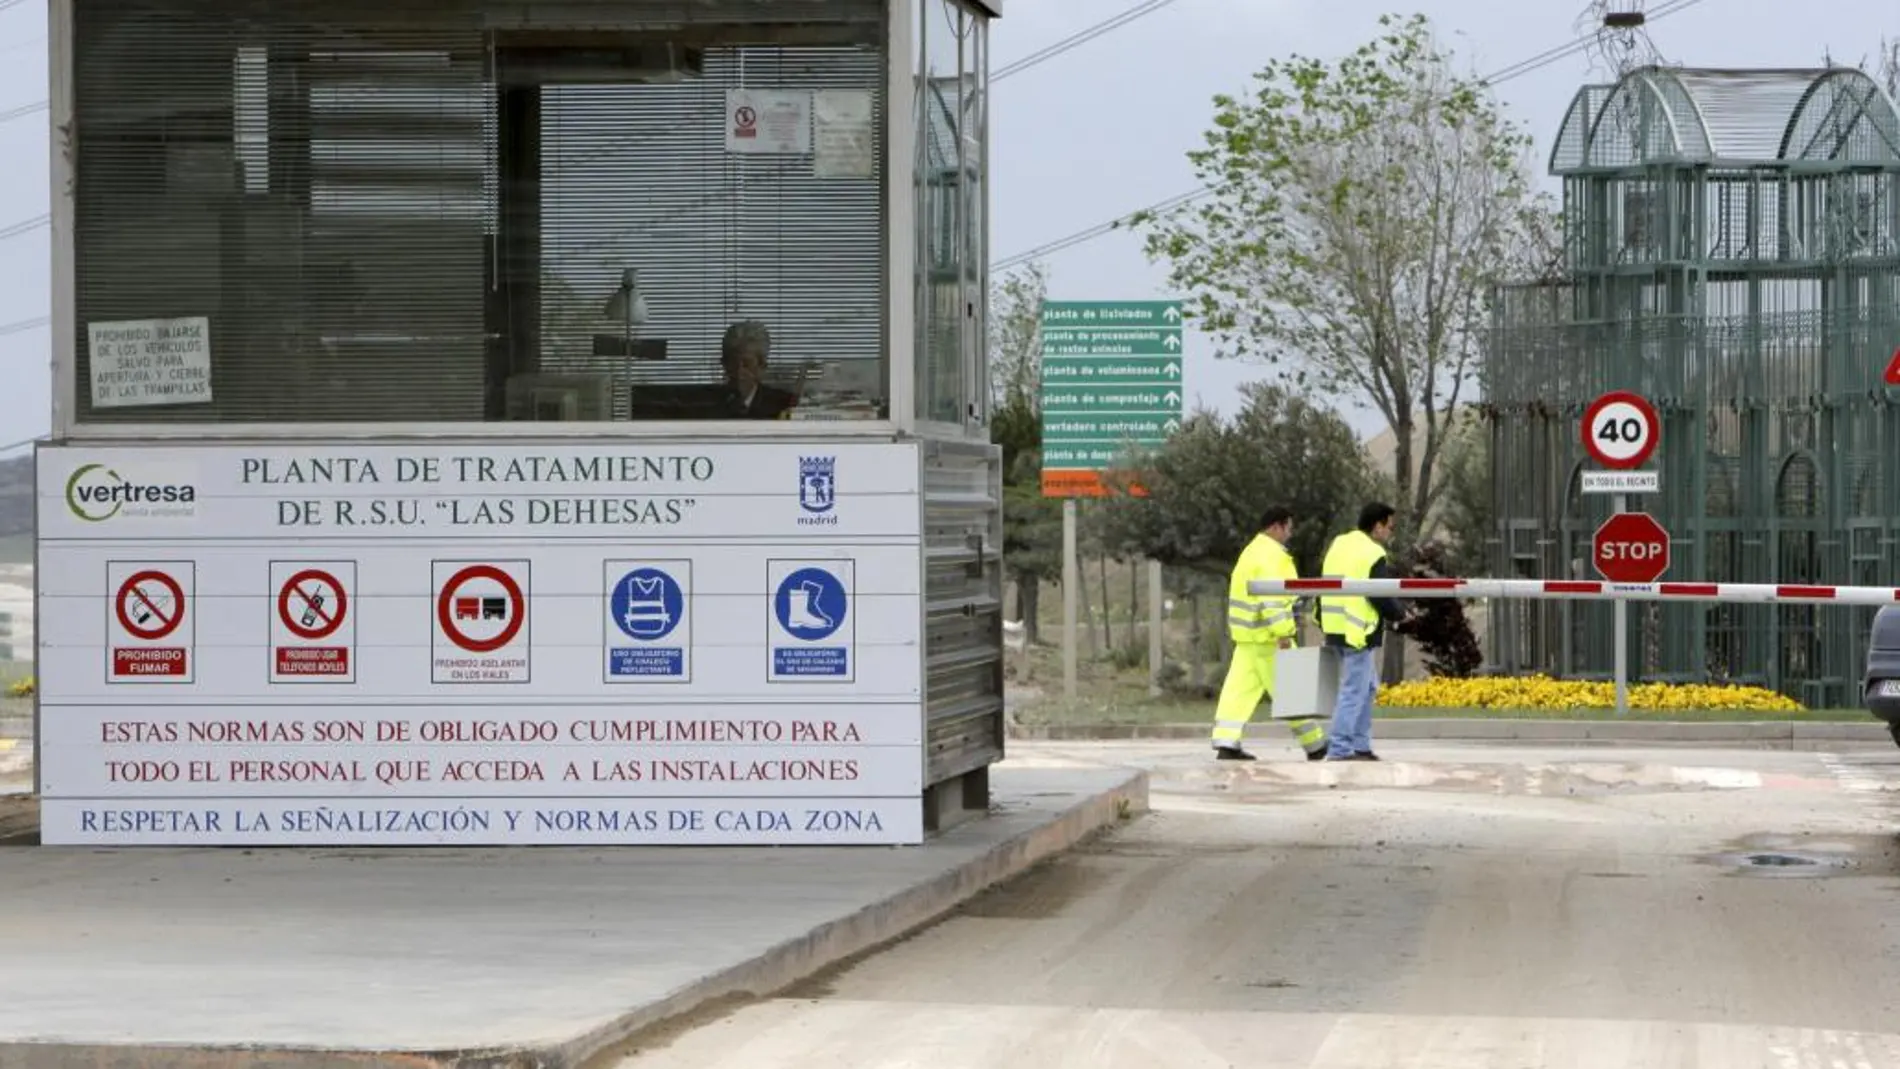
(648, 380)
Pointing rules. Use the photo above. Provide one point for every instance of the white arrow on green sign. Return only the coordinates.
(1111, 380)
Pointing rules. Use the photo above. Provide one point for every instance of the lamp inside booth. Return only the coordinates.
(626, 309)
(526, 62)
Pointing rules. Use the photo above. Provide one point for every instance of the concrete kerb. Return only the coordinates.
(867, 929)
(829, 944)
(1765, 734)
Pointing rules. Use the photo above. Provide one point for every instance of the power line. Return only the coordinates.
(25, 324)
(1078, 39)
(1036, 58)
(1176, 203)
(11, 446)
(24, 109)
(1041, 55)
(22, 227)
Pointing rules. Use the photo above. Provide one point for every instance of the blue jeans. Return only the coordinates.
(1352, 713)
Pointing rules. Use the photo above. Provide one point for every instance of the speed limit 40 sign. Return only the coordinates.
(1620, 430)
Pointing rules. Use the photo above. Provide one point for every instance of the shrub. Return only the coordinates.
(1543, 692)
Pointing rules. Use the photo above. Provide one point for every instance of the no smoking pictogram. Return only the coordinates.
(455, 610)
(746, 118)
(150, 605)
(312, 604)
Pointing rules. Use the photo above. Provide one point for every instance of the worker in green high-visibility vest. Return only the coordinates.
(1353, 626)
(1260, 626)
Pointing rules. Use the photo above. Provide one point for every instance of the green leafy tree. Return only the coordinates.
(1032, 524)
(1466, 514)
(1362, 211)
(1201, 494)
(1015, 346)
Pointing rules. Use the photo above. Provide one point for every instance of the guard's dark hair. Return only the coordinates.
(1375, 514)
(1275, 516)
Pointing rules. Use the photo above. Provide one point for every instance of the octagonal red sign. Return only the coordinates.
(1630, 547)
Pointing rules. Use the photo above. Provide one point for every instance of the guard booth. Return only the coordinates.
(518, 422)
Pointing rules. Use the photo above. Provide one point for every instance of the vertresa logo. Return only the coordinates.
(96, 493)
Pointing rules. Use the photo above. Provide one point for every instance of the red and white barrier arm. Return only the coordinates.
(1581, 589)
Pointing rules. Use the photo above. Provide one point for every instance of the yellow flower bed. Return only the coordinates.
(1543, 692)
(22, 688)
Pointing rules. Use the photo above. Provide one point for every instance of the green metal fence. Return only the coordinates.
(1732, 245)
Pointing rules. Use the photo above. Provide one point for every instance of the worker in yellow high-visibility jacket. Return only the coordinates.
(1354, 626)
(1261, 626)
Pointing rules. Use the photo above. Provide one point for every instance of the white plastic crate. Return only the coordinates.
(1305, 683)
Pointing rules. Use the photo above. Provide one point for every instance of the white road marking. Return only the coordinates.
(1854, 778)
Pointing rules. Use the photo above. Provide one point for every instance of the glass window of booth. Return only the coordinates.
(952, 234)
(350, 211)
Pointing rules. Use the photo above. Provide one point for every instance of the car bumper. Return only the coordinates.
(1884, 706)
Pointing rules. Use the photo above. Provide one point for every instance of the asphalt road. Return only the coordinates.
(1449, 908)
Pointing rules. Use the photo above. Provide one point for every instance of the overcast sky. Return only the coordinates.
(1083, 138)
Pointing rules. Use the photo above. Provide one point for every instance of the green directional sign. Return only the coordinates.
(1115, 370)
(1111, 313)
(1111, 382)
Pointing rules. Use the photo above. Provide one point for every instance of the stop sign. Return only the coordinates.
(1631, 547)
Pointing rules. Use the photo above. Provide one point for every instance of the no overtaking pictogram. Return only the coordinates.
(458, 613)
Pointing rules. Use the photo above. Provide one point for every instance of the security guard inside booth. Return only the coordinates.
(1260, 627)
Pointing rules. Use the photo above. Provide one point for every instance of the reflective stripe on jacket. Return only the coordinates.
(1264, 618)
(1351, 556)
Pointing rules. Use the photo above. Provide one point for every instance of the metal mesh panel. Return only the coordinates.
(1756, 303)
(381, 217)
(1843, 118)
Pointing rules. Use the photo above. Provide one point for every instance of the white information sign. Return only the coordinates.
(150, 621)
(313, 622)
(725, 644)
(843, 135)
(150, 362)
(649, 633)
(1621, 482)
(812, 625)
(481, 621)
(768, 122)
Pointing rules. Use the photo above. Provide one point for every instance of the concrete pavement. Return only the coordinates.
(1451, 907)
(16, 766)
(503, 959)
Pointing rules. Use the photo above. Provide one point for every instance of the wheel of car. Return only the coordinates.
(1894, 730)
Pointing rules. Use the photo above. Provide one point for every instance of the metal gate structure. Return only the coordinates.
(1732, 251)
